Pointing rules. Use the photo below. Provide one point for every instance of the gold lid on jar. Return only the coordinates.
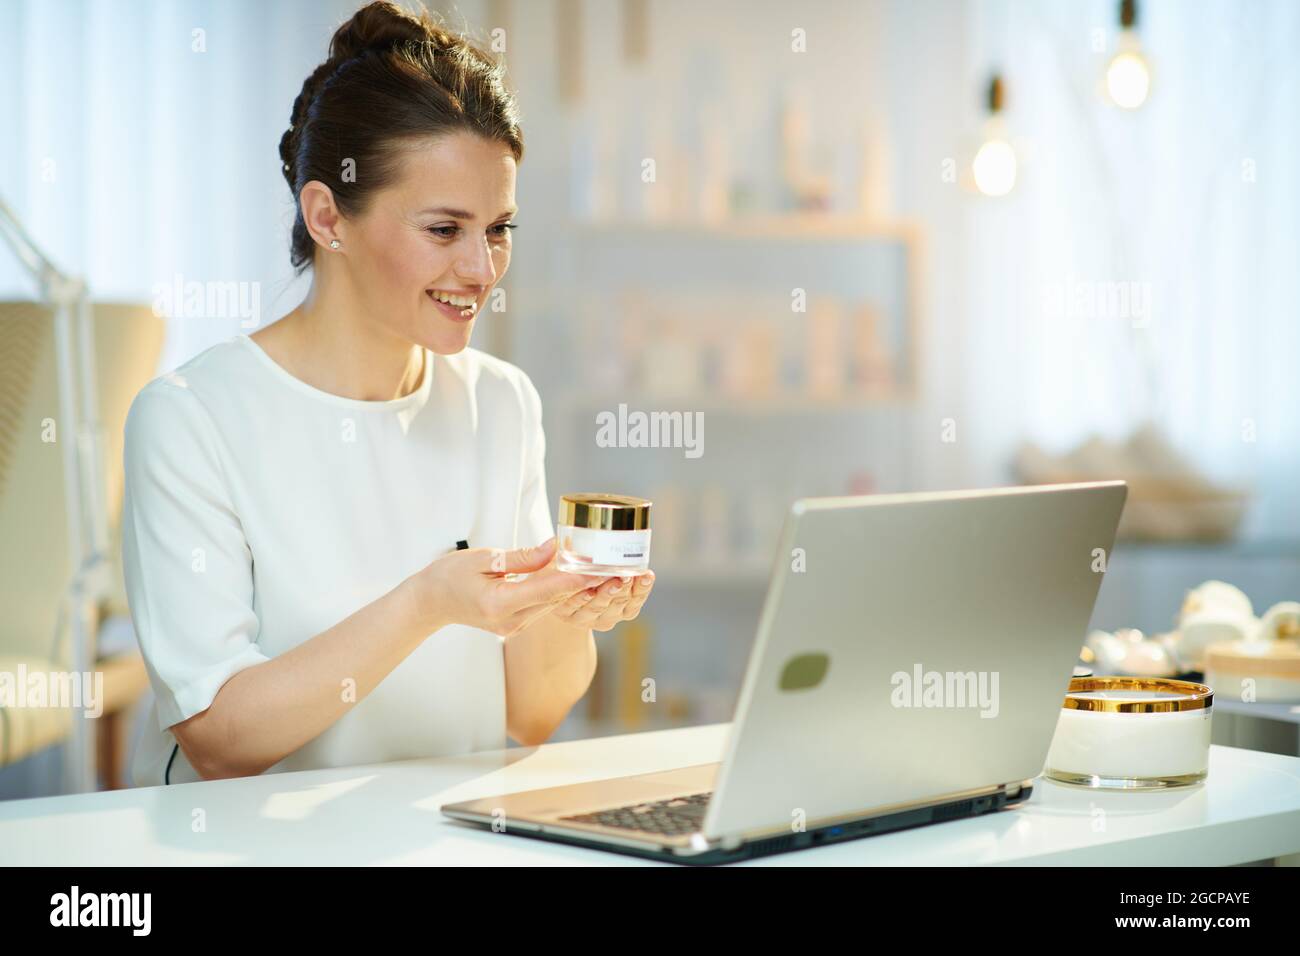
(1184, 695)
(605, 512)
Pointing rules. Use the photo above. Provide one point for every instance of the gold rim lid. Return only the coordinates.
(605, 512)
(1090, 694)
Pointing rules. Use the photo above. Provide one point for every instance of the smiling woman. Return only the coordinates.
(294, 498)
(401, 151)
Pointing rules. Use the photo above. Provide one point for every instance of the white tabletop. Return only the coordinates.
(1248, 809)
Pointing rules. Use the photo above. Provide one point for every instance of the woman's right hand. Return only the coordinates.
(471, 587)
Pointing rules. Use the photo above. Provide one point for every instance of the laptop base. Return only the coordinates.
(790, 842)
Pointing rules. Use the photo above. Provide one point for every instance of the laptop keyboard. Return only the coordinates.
(676, 817)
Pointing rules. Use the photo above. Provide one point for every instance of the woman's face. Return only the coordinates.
(439, 231)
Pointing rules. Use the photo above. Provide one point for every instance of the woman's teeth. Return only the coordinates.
(459, 301)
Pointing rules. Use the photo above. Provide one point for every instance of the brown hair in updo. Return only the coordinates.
(391, 79)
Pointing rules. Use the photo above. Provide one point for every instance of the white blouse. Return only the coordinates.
(260, 511)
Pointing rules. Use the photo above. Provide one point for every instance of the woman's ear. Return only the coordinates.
(320, 214)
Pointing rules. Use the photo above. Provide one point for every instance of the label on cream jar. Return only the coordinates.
(629, 549)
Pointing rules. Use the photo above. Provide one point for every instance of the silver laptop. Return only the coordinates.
(909, 668)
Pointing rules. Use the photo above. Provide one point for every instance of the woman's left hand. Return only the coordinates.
(603, 606)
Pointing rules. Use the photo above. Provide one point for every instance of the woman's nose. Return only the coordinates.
(476, 265)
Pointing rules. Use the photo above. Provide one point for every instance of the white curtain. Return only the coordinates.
(1194, 197)
(139, 141)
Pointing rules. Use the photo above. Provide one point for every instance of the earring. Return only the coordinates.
(334, 243)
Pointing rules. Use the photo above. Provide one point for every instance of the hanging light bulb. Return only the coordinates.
(994, 166)
(1128, 77)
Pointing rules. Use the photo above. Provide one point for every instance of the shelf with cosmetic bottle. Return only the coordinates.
(794, 336)
(739, 352)
(719, 530)
(793, 226)
(710, 535)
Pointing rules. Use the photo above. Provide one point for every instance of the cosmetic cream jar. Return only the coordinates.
(1255, 671)
(603, 535)
(1132, 733)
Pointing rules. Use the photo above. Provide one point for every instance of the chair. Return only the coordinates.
(35, 566)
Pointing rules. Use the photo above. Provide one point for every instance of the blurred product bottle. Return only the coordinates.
(711, 523)
(873, 365)
(672, 359)
(762, 348)
(634, 325)
(633, 670)
(597, 697)
(712, 199)
(713, 345)
(860, 483)
(767, 508)
(747, 537)
(677, 707)
(734, 362)
(876, 186)
(739, 530)
(715, 705)
(793, 148)
(744, 175)
(667, 197)
(593, 153)
(636, 196)
(603, 332)
(667, 500)
(818, 192)
(794, 346)
(826, 359)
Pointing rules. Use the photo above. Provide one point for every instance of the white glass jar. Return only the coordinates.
(1132, 733)
(603, 534)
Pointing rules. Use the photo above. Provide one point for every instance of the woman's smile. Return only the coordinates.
(457, 306)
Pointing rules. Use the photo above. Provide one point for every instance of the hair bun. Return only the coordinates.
(382, 26)
(391, 77)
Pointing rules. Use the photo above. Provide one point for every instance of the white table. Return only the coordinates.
(1248, 809)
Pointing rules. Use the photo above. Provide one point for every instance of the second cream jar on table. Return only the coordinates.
(1132, 733)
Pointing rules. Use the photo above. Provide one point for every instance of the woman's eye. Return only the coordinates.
(499, 231)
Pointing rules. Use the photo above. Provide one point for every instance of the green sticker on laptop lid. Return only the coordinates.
(804, 671)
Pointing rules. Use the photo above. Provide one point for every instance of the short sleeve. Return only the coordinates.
(534, 506)
(186, 563)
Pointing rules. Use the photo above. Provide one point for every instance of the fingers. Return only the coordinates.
(627, 606)
(612, 592)
(571, 606)
(609, 605)
(577, 603)
(581, 600)
(523, 619)
(580, 608)
(564, 606)
(520, 560)
(548, 586)
(642, 586)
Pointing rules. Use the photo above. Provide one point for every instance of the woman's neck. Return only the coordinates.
(325, 343)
